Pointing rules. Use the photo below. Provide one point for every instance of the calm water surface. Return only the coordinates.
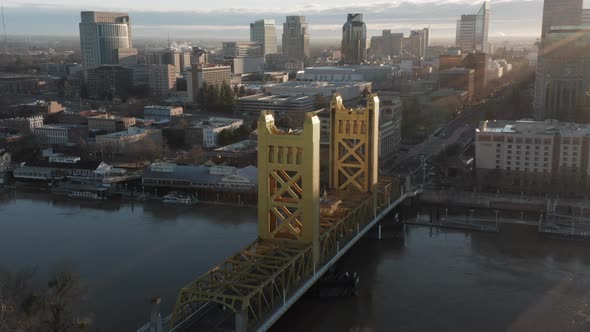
(434, 280)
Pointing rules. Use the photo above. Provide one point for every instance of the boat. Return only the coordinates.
(86, 195)
(179, 199)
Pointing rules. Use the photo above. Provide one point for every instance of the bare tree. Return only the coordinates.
(63, 291)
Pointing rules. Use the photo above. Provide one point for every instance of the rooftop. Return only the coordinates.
(243, 146)
(529, 127)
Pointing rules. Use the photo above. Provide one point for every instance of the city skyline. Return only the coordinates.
(325, 21)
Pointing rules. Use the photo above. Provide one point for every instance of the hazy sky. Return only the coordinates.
(229, 18)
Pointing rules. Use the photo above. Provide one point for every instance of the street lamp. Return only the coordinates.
(497, 213)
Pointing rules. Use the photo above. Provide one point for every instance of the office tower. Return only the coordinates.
(162, 79)
(101, 34)
(126, 57)
(561, 13)
(170, 56)
(198, 76)
(472, 30)
(417, 42)
(392, 42)
(585, 17)
(234, 49)
(354, 40)
(199, 56)
(264, 32)
(295, 38)
(562, 84)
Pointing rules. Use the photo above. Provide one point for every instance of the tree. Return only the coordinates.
(25, 306)
(63, 290)
(242, 92)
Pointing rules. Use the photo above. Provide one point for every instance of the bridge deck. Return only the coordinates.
(253, 288)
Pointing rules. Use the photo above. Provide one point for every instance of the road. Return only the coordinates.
(459, 130)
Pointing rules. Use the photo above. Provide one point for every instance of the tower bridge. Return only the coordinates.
(301, 232)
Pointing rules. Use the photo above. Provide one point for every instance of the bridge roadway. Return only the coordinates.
(251, 290)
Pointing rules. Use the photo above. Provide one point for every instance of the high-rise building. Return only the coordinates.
(562, 81)
(417, 43)
(199, 75)
(234, 49)
(472, 30)
(101, 34)
(561, 13)
(295, 38)
(170, 56)
(162, 80)
(354, 40)
(585, 17)
(108, 81)
(264, 32)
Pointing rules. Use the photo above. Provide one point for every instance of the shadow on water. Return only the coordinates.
(456, 281)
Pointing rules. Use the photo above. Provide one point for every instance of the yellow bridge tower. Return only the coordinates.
(288, 182)
(354, 146)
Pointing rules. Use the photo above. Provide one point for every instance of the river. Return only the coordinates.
(432, 280)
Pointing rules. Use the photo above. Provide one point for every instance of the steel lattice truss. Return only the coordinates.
(252, 281)
(260, 278)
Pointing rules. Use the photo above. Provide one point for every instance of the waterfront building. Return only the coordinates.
(472, 30)
(101, 34)
(53, 170)
(214, 178)
(354, 40)
(533, 156)
(161, 113)
(296, 38)
(264, 32)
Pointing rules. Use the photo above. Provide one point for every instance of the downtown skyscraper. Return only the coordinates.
(561, 13)
(562, 80)
(295, 38)
(472, 30)
(264, 32)
(354, 40)
(102, 34)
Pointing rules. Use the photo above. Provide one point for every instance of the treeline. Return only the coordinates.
(230, 136)
(217, 97)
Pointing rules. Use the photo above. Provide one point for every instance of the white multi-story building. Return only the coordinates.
(542, 152)
(159, 113)
(207, 132)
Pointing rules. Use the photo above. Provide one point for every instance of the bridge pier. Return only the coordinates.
(241, 321)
